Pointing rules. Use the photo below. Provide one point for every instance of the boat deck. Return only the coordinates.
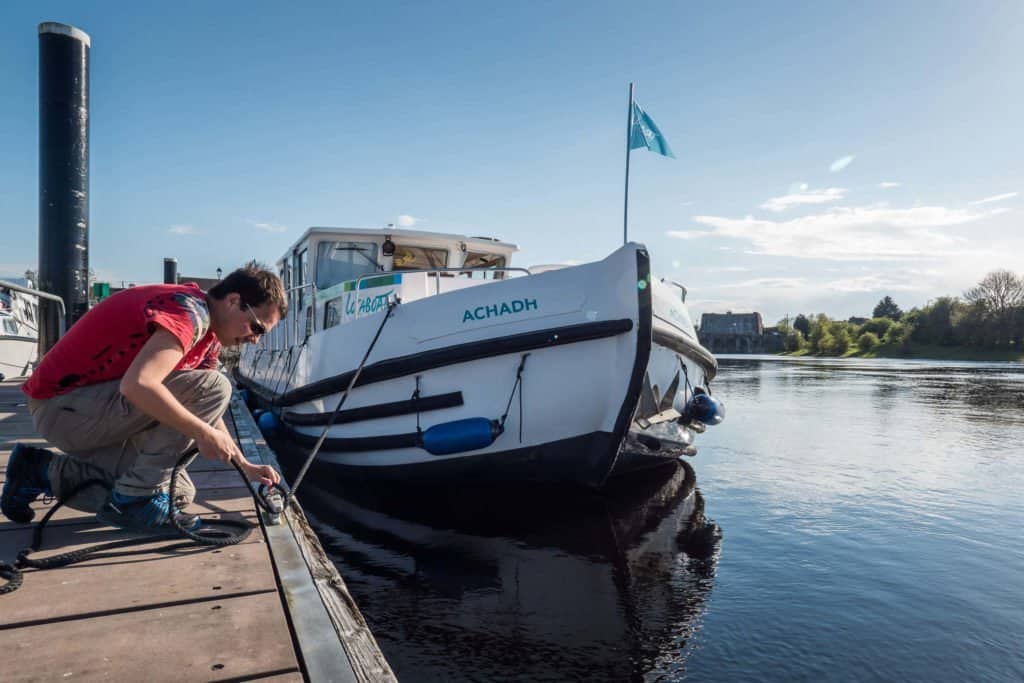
(270, 608)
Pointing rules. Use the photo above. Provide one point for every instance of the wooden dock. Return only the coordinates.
(272, 608)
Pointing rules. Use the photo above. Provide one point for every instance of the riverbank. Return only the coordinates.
(925, 352)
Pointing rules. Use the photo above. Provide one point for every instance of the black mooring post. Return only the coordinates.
(63, 175)
(170, 270)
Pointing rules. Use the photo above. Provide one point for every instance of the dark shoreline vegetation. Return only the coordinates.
(986, 325)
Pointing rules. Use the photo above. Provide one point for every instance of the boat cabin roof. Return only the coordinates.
(411, 237)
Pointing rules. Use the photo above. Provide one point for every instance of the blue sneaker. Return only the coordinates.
(146, 514)
(26, 480)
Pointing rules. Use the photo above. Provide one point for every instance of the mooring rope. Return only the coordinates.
(337, 409)
(12, 573)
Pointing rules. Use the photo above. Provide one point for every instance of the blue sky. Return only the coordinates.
(221, 130)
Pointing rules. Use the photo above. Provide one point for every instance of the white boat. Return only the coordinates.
(19, 338)
(481, 370)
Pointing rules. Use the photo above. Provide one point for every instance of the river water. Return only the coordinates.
(870, 515)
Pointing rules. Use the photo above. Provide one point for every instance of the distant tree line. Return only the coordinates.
(990, 316)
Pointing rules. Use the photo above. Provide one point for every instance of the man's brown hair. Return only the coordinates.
(256, 285)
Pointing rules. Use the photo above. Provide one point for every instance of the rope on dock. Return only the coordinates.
(12, 573)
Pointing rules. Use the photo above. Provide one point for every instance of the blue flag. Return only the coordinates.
(645, 133)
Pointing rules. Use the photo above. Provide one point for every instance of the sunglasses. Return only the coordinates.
(256, 325)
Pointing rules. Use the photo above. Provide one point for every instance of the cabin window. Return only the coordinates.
(343, 261)
(10, 327)
(481, 260)
(332, 313)
(419, 258)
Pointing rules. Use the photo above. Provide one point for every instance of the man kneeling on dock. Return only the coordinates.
(133, 386)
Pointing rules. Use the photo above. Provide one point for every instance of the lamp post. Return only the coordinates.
(219, 271)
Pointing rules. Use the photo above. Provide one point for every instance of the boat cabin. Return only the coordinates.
(335, 275)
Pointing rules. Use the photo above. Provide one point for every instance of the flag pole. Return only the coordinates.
(629, 132)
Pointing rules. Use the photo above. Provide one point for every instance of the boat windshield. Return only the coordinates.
(480, 260)
(342, 261)
(419, 258)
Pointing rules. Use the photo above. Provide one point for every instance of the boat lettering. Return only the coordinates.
(498, 310)
(371, 304)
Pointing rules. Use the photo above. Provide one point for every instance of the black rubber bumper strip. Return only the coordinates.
(359, 443)
(408, 407)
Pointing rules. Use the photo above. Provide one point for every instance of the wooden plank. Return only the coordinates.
(235, 638)
(174, 571)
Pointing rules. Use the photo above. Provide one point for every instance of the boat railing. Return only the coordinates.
(42, 295)
(682, 289)
(438, 271)
(298, 305)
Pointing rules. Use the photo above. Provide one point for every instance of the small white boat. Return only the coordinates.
(19, 337)
(481, 370)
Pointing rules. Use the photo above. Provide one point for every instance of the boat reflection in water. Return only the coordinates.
(527, 584)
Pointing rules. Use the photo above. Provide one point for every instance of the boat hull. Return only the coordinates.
(562, 374)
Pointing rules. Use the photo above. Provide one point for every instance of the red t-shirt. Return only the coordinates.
(101, 346)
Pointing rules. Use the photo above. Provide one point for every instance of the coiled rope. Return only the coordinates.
(12, 573)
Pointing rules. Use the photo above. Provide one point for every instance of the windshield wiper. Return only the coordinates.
(362, 252)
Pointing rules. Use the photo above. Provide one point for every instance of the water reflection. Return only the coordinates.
(470, 583)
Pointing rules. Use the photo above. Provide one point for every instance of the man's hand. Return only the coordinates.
(218, 445)
(265, 474)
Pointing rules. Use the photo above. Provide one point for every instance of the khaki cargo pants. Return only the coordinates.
(107, 438)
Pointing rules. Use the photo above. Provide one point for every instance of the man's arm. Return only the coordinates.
(262, 473)
(143, 386)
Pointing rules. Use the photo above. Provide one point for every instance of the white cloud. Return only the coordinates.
(267, 227)
(767, 283)
(995, 198)
(689, 234)
(182, 230)
(886, 185)
(406, 221)
(840, 164)
(720, 269)
(849, 234)
(872, 283)
(805, 196)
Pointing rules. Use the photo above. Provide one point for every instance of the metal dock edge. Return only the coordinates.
(331, 636)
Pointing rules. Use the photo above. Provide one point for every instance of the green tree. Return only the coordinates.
(877, 326)
(793, 341)
(867, 341)
(933, 324)
(803, 325)
(972, 326)
(887, 308)
(1000, 293)
(839, 331)
(819, 338)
